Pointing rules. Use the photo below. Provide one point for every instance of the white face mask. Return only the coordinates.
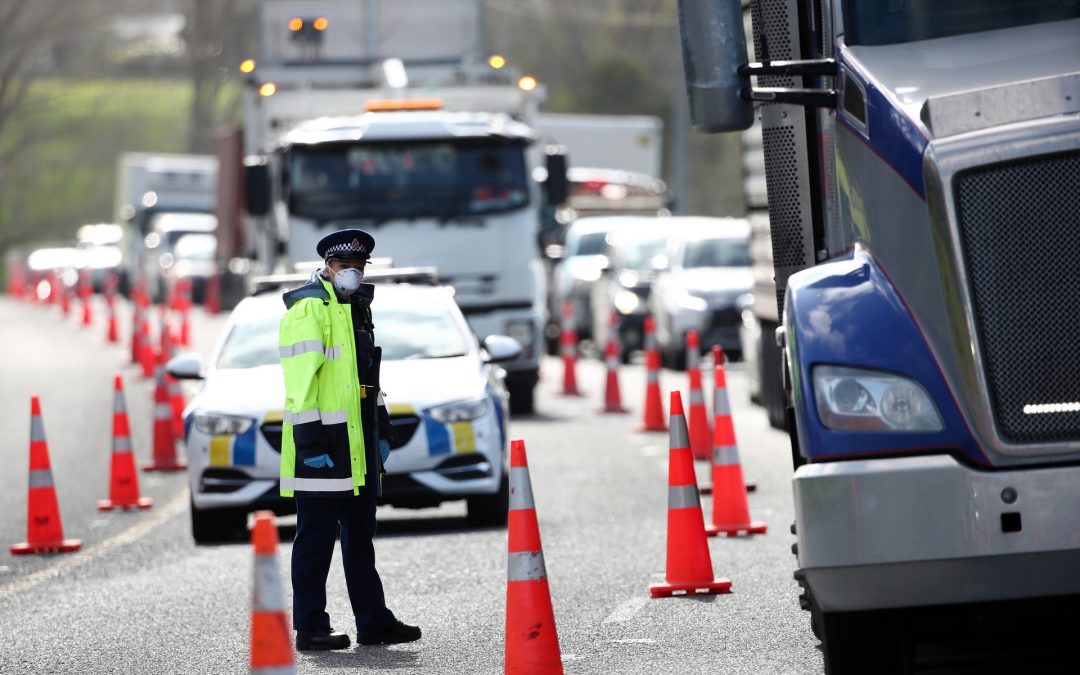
(348, 280)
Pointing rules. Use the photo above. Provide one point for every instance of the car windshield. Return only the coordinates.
(872, 22)
(716, 253)
(382, 181)
(592, 243)
(639, 255)
(422, 332)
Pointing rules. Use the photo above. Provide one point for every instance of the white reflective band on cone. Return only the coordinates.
(288, 351)
(678, 438)
(521, 495)
(569, 350)
(302, 417)
(37, 429)
(725, 455)
(612, 362)
(40, 478)
(693, 359)
(268, 594)
(525, 566)
(162, 411)
(317, 484)
(696, 397)
(651, 376)
(721, 404)
(275, 670)
(682, 497)
(118, 402)
(121, 444)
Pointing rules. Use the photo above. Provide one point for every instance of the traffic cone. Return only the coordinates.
(147, 355)
(568, 342)
(613, 358)
(652, 418)
(689, 566)
(699, 419)
(85, 291)
(62, 295)
(212, 299)
(720, 389)
(136, 331)
(730, 512)
(165, 458)
(271, 638)
(532, 642)
(123, 479)
(185, 311)
(44, 531)
(176, 393)
(112, 335)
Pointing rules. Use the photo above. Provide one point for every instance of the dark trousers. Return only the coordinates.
(317, 526)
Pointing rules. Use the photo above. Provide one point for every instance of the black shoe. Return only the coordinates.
(390, 634)
(328, 638)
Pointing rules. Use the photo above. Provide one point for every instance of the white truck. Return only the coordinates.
(433, 155)
(149, 185)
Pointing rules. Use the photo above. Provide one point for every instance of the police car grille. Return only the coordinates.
(1019, 226)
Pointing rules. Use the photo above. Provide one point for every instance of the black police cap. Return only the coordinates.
(346, 245)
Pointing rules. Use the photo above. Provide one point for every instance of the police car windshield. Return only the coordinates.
(422, 332)
(384, 181)
(872, 22)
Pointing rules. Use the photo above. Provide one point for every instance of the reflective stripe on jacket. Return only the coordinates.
(322, 395)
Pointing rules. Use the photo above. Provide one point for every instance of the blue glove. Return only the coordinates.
(321, 462)
(384, 449)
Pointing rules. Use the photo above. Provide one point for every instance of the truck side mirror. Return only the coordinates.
(256, 186)
(556, 185)
(714, 49)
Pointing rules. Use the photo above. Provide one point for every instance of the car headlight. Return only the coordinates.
(626, 301)
(222, 425)
(851, 399)
(460, 411)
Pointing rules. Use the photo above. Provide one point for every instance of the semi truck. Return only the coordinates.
(921, 164)
(433, 154)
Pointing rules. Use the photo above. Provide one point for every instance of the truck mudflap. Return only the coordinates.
(928, 530)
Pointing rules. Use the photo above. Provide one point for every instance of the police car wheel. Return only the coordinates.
(489, 510)
(212, 526)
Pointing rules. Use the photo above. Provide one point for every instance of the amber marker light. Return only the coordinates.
(496, 61)
(295, 24)
(527, 83)
(321, 23)
(247, 66)
(268, 89)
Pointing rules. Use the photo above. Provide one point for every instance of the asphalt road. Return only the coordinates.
(140, 597)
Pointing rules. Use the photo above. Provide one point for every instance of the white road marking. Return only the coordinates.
(634, 641)
(171, 508)
(627, 610)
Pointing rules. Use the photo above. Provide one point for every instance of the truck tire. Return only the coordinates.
(522, 397)
(215, 526)
(855, 643)
(489, 510)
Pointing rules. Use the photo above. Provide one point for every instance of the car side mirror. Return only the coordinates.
(185, 366)
(556, 185)
(256, 186)
(501, 348)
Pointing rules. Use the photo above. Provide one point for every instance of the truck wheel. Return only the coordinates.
(213, 526)
(855, 643)
(522, 397)
(489, 510)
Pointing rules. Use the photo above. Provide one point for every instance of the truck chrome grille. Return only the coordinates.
(1020, 234)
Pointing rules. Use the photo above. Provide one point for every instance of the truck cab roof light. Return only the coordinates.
(247, 66)
(527, 83)
(496, 61)
(267, 89)
(296, 24)
(320, 23)
(390, 104)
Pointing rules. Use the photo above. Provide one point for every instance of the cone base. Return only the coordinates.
(571, 392)
(707, 489)
(667, 589)
(647, 428)
(614, 409)
(735, 530)
(65, 546)
(109, 505)
(173, 465)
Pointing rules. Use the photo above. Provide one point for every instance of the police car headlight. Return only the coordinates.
(626, 301)
(851, 399)
(460, 411)
(222, 425)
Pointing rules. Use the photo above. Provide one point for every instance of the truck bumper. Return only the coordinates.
(918, 531)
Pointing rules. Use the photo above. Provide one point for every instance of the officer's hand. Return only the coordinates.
(384, 449)
(323, 461)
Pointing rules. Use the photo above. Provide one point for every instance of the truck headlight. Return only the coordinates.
(852, 399)
(626, 301)
(222, 425)
(460, 411)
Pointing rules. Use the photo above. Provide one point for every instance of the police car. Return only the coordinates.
(444, 390)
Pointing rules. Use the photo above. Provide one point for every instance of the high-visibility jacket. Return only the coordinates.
(322, 394)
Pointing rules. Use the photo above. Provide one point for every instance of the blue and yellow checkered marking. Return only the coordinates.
(238, 450)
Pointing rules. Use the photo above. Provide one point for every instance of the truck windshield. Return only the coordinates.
(383, 181)
(716, 253)
(873, 22)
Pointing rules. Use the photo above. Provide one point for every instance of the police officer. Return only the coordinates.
(335, 439)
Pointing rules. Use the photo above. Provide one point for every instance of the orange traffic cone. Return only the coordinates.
(271, 638)
(44, 531)
(112, 334)
(212, 300)
(532, 642)
(699, 419)
(147, 355)
(184, 290)
(85, 291)
(730, 512)
(613, 358)
(136, 334)
(165, 458)
(689, 566)
(652, 418)
(123, 479)
(568, 348)
(176, 393)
